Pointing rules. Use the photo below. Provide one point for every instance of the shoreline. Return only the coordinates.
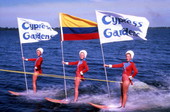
(13, 28)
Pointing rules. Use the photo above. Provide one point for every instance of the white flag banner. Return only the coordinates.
(114, 27)
(34, 31)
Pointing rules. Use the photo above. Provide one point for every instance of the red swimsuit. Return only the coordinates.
(81, 67)
(38, 62)
(127, 71)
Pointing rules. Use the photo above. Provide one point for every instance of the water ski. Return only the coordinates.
(15, 93)
(100, 106)
(57, 101)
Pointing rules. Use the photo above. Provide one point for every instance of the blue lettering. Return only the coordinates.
(140, 24)
(42, 36)
(47, 37)
(131, 32)
(35, 26)
(115, 33)
(104, 20)
(43, 26)
(107, 33)
(134, 22)
(33, 36)
(26, 36)
(121, 20)
(38, 35)
(114, 20)
(129, 22)
(25, 25)
(125, 31)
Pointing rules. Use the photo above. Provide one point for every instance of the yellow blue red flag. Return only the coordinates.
(74, 28)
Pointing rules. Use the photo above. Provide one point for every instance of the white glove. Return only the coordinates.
(130, 77)
(66, 63)
(81, 73)
(110, 66)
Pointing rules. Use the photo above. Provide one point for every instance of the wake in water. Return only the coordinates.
(141, 97)
(41, 94)
(147, 97)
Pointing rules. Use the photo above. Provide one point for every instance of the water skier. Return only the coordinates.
(37, 67)
(82, 68)
(129, 72)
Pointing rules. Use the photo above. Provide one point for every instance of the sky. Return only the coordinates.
(156, 11)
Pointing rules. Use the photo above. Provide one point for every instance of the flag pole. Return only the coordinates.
(108, 88)
(22, 55)
(65, 83)
(23, 63)
(62, 52)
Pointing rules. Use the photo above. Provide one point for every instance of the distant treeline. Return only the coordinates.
(6, 28)
(57, 28)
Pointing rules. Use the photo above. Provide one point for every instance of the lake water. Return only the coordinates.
(150, 92)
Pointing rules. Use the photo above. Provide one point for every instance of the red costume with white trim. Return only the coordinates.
(81, 67)
(127, 71)
(38, 62)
